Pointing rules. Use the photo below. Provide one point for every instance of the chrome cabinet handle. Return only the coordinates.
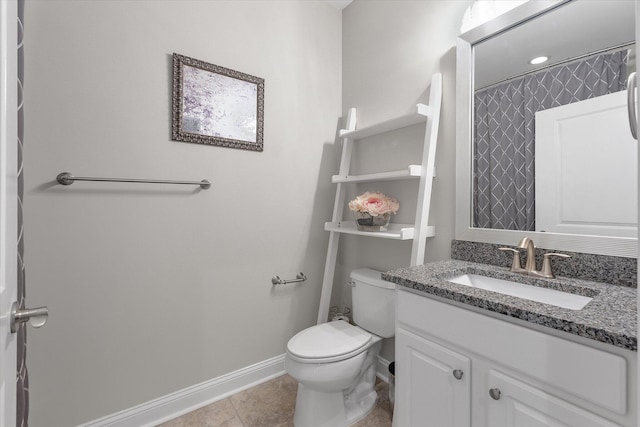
(495, 393)
(631, 104)
(457, 374)
(36, 317)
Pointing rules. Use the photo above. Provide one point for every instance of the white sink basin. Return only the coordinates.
(532, 293)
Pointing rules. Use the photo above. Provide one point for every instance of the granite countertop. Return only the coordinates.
(610, 317)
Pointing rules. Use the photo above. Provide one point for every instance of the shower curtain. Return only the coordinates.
(504, 134)
(22, 378)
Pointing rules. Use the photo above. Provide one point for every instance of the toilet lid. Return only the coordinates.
(328, 340)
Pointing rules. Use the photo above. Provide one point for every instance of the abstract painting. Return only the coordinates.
(216, 105)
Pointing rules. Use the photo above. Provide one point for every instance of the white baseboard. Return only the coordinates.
(173, 405)
(165, 408)
(383, 369)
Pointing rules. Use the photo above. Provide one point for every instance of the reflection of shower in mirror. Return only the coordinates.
(502, 186)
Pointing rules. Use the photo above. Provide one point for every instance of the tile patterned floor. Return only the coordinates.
(270, 404)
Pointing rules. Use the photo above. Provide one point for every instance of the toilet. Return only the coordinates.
(335, 362)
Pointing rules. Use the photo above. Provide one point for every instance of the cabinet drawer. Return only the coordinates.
(593, 375)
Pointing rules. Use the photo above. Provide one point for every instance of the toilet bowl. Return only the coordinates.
(336, 375)
(335, 362)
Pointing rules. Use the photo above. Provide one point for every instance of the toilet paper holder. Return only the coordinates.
(276, 280)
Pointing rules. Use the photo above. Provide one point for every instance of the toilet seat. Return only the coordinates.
(328, 342)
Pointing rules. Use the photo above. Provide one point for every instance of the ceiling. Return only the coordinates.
(339, 4)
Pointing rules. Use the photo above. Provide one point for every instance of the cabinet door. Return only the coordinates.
(433, 384)
(512, 403)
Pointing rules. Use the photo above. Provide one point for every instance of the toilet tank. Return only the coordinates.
(374, 302)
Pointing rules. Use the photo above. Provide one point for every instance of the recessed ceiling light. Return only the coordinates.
(538, 60)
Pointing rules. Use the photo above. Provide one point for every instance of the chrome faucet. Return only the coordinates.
(530, 266)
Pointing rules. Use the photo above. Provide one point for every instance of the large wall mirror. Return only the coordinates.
(544, 149)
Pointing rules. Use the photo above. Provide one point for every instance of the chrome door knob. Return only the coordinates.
(36, 317)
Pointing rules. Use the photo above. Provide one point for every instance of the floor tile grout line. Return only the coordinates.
(235, 410)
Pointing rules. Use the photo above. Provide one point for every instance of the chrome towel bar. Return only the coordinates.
(276, 280)
(65, 178)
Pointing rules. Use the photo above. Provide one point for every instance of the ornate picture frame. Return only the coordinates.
(216, 106)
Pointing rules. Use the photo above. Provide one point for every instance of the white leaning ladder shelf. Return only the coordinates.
(418, 232)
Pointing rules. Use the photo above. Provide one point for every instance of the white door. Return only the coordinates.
(581, 190)
(637, 402)
(433, 384)
(8, 207)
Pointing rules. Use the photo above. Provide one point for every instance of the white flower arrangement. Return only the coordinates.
(374, 203)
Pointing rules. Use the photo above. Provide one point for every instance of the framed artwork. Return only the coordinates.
(216, 105)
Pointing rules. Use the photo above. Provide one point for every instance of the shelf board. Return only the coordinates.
(395, 231)
(412, 172)
(418, 116)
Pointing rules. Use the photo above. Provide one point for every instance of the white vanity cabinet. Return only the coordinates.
(437, 387)
(458, 367)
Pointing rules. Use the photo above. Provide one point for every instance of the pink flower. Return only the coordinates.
(374, 203)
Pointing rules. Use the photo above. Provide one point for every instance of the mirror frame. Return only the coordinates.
(602, 245)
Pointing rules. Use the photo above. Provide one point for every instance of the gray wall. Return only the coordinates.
(152, 289)
(390, 50)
